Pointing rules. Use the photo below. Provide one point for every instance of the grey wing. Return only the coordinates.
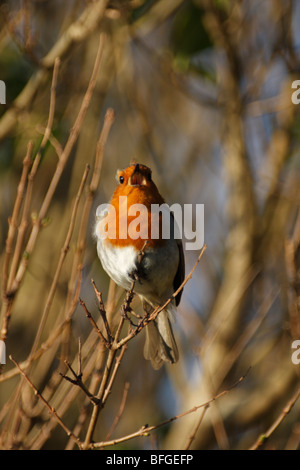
(180, 274)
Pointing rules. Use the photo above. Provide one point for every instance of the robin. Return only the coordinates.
(121, 235)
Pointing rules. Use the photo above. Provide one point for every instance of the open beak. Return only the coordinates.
(137, 179)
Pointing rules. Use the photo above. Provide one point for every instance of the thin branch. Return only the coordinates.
(14, 218)
(107, 342)
(145, 430)
(195, 429)
(78, 31)
(51, 410)
(7, 283)
(53, 184)
(32, 174)
(78, 381)
(102, 387)
(263, 437)
(61, 163)
(113, 374)
(62, 258)
(81, 240)
(102, 311)
(24, 222)
(79, 358)
(120, 412)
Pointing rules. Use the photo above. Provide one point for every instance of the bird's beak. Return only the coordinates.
(137, 179)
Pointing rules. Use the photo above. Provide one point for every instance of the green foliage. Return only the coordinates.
(142, 9)
(6, 152)
(222, 4)
(189, 37)
(15, 71)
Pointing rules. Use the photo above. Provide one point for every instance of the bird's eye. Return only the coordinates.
(121, 179)
(149, 177)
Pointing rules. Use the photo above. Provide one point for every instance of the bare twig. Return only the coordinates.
(102, 311)
(14, 218)
(80, 245)
(102, 387)
(120, 412)
(31, 177)
(52, 187)
(113, 374)
(78, 378)
(62, 258)
(61, 163)
(195, 429)
(7, 282)
(145, 430)
(78, 31)
(107, 342)
(51, 410)
(263, 437)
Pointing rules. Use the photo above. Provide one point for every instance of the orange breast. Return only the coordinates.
(132, 221)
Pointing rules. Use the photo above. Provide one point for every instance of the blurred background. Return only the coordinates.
(201, 91)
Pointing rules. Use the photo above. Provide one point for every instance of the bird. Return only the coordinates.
(122, 236)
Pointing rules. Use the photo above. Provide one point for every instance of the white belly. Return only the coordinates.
(158, 268)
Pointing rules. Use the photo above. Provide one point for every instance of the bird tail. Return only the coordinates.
(160, 345)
